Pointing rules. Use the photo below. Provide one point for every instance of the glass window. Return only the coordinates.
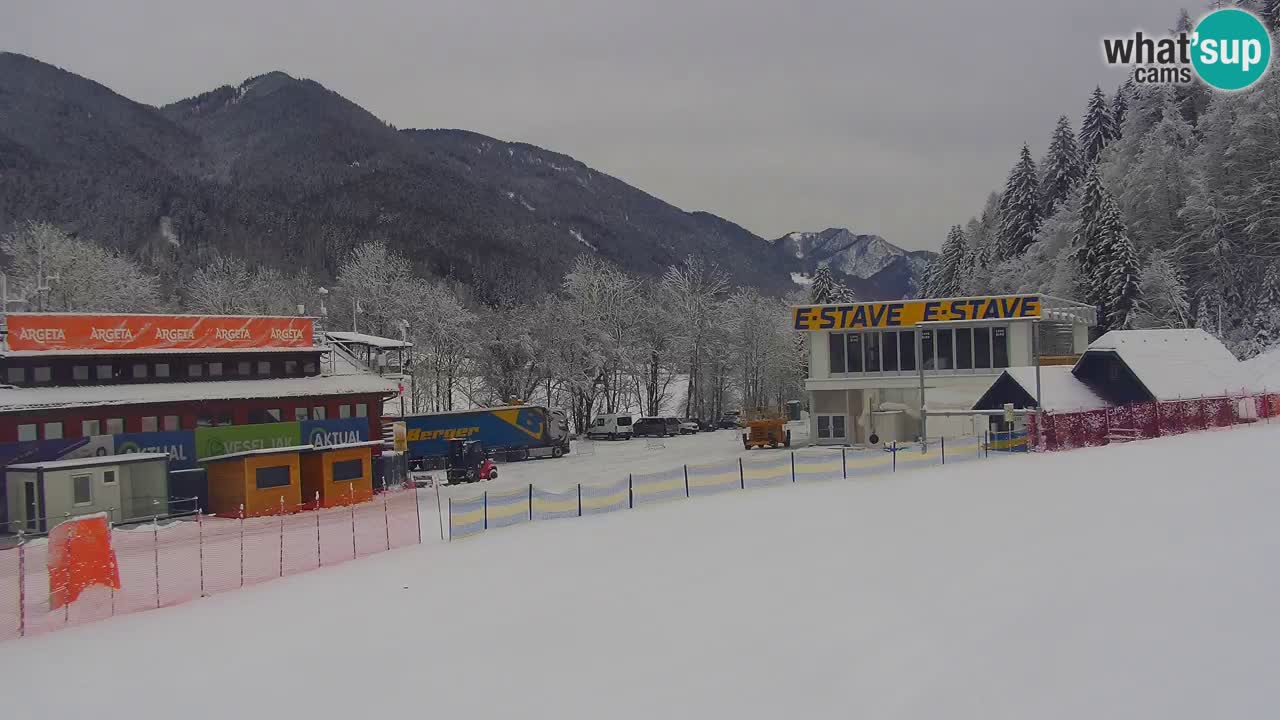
(82, 489)
(195, 370)
(162, 370)
(907, 350)
(104, 372)
(871, 348)
(203, 420)
(215, 369)
(362, 410)
(344, 411)
(926, 350)
(115, 426)
(28, 432)
(89, 428)
(890, 351)
(317, 413)
(273, 476)
(108, 477)
(835, 350)
(300, 414)
(964, 348)
(982, 347)
(348, 470)
(946, 351)
(853, 352)
(80, 372)
(309, 367)
(824, 426)
(140, 371)
(150, 423)
(53, 431)
(999, 347)
(244, 368)
(837, 426)
(275, 414)
(42, 374)
(172, 423)
(264, 367)
(290, 367)
(16, 375)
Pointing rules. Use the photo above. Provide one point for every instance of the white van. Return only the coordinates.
(614, 427)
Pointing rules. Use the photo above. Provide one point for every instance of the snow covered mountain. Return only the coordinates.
(874, 268)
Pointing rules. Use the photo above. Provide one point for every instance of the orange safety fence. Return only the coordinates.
(97, 572)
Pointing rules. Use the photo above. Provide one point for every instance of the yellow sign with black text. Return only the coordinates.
(906, 313)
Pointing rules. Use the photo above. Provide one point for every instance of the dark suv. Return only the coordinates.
(655, 427)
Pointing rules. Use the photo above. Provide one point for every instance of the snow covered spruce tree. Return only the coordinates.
(1108, 264)
(826, 289)
(1098, 128)
(1020, 206)
(1062, 170)
(950, 270)
(55, 272)
(1162, 294)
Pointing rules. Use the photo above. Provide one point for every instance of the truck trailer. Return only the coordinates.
(509, 433)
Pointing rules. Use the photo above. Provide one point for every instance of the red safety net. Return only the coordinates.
(1085, 428)
(166, 564)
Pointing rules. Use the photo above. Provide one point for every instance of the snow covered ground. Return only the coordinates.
(1133, 581)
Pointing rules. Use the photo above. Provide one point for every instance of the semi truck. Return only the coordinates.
(509, 433)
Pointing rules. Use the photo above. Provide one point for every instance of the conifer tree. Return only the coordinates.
(1063, 169)
(1118, 267)
(1020, 206)
(826, 289)
(953, 265)
(1099, 127)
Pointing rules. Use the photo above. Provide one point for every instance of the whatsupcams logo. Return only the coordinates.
(1228, 49)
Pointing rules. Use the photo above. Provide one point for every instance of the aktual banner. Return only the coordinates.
(907, 313)
(57, 331)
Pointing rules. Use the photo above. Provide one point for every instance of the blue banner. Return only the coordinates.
(181, 446)
(323, 433)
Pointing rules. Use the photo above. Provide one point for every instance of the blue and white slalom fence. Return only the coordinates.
(502, 508)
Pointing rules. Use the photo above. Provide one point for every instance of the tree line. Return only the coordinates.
(604, 341)
(1161, 212)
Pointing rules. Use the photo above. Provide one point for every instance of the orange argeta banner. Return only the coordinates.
(59, 331)
(80, 556)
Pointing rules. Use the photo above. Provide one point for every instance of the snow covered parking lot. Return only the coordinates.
(1136, 581)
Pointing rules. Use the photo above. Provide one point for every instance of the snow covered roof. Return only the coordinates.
(1059, 389)
(258, 451)
(1175, 364)
(370, 340)
(1263, 371)
(94, 461)
(26, 399)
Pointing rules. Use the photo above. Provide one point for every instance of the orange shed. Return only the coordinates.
(261, 480)
(340, 474)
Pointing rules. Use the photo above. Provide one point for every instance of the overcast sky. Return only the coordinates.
(894, 118)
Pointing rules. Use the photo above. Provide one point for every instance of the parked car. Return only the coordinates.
(689, 426)
(730, 420)
(614, 427)
(708, 426)
(653, 427)
(673, 425)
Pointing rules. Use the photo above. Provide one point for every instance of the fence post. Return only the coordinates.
(485, 496)
(319, 560)
(200, 530)
(530, 502)
(241, 544)
(386, 521)
(579, 499)
(986, 442)
(439, 515)
(686, 481)
(844, 465)
(631, 493)
(793, 466)
(943, 442)
(281, 536)
(155, 543)
(742, 476)
(351, 503)
(22, 585)
(894, 452)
